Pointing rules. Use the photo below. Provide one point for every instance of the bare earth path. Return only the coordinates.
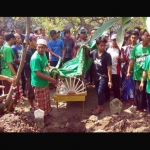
(70, 117)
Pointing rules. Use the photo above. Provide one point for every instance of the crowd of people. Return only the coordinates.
(110, 68)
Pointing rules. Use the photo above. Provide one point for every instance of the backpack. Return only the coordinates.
(127, 91)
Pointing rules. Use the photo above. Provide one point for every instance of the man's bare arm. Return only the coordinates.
(11, 67)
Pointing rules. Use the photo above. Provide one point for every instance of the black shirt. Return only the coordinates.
(22, 37)
(68, 44)
(27, 69)
(79, 42)
(100, 64)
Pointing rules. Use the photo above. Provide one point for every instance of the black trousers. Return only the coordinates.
(54, 63)
(23, 79)
(47, 55)
(139, 96)
(89, 74)
(66, 59)
(116, 87)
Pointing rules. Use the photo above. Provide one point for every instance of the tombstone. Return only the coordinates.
(39, 118)
(116, 106)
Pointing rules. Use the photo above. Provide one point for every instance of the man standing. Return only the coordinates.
(127, 51)
(1, 44)
(39, 78)
(56, 48)
(117, 57)
(27, 70)
(2, 32)
(102, 71)
(83, 37)
(137, 58)
(82, 40)
(69, 46)
(7, 55)
(20, 33)
(62, 33)
(58, 34)
(37, 31)
(138, 29)
(89, 72)
(17, 49)
(45, 37)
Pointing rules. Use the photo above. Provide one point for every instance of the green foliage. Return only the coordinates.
(146, 21)
(125, 20)
(75, 23)
(104, 27)
(120, 37)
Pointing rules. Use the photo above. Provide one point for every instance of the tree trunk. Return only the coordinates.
(9, 96)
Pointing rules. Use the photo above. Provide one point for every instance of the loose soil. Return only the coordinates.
(70, 117)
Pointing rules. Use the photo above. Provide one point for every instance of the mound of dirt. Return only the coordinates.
(115, 123)
(15, 123)
(70, 117)
(139, 122)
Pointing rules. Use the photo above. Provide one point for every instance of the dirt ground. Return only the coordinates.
(70, 117)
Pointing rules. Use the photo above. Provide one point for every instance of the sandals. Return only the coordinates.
(96, 108)
(95, 112)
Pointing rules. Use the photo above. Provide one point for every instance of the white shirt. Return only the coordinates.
(114, 52)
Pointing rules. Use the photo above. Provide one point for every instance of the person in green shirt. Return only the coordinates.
(146, 73)
(137, 58)
(6, 57)
(39, 78)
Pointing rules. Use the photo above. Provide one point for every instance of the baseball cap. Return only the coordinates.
(57, 31)
(53, 32)
(82, 31)
(114, 36)
(42, 41)
(32, 36)
(16, 35)
(106, 33)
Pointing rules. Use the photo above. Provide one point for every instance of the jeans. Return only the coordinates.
(148, 102)
(100, 88)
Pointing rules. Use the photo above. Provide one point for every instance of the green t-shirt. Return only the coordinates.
(139, 55)
(6, 56)
(38, 63)
(146, 67)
